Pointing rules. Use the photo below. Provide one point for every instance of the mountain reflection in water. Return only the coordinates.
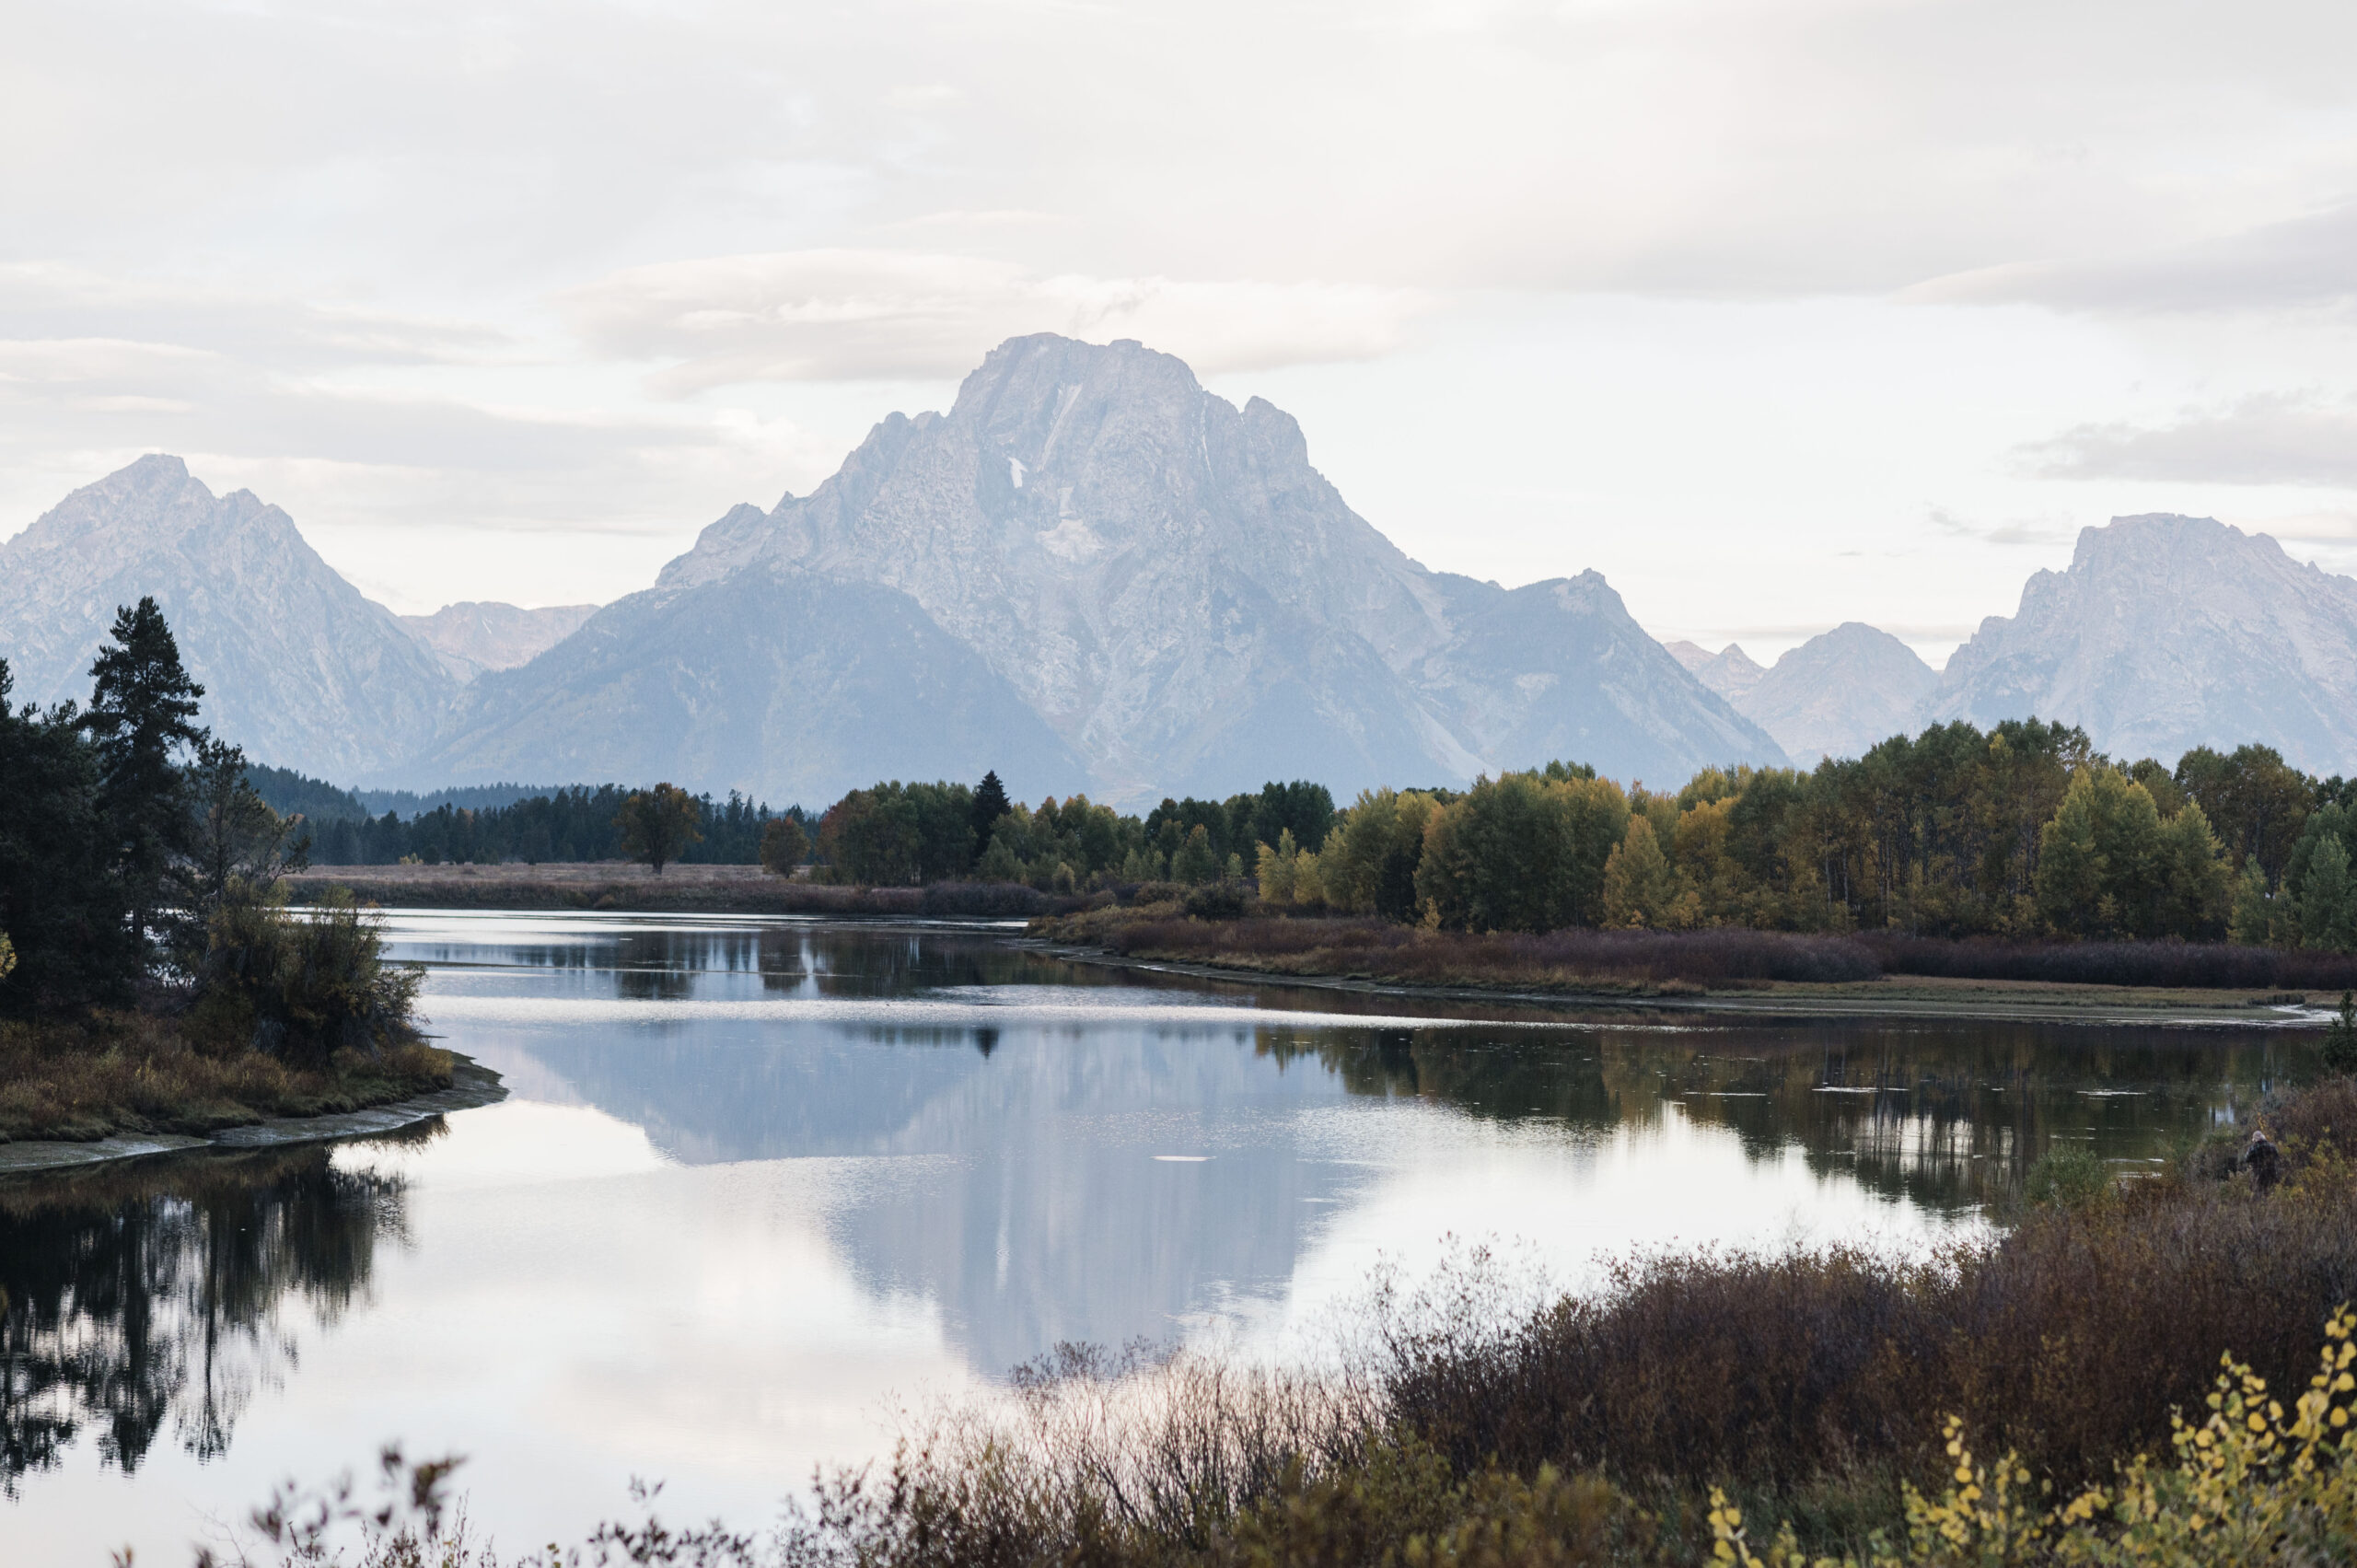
(758, 1181)
(134, 1299)
(1032, 1217)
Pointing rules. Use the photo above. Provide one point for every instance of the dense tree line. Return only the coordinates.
(579, 823)
(900, 833)
(2022, 831)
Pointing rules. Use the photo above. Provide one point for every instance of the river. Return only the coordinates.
(760, 1185)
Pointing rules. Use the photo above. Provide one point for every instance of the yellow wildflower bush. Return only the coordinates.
(2250, 1484)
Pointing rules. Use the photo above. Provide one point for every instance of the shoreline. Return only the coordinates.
(623, 888)
(1903, 996)
(472, 1084)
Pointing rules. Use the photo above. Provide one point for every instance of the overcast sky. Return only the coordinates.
(1779, 314)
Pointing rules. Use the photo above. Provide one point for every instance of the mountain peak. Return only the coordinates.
(1182, 603)
(299, 666)
(2169, 632)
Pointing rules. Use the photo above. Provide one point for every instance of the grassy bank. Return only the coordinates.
(2052, 1394)
(1725, 959)
(679, 889)
(133, 1072)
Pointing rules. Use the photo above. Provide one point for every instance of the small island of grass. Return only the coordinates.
(153, 979)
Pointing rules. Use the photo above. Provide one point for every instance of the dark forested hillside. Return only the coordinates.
(579, 823)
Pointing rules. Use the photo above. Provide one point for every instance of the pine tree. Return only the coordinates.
(142, 714)
(989, 805)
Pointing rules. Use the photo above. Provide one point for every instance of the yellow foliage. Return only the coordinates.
(2251, 1483)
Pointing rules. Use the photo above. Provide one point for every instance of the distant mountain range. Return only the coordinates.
(1092, 575)
(1835, 695)
(474, 637)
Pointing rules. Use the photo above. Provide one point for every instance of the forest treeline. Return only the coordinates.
(2022, 832)
(582, 822)
(899, 833)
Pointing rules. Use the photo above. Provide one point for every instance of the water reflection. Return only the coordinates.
(732, 1144)
(134, 1299)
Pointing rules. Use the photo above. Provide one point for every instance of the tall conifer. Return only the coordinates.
(142, 714)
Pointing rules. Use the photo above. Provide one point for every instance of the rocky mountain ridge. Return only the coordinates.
(298, 665)
(2169, 632)
(1092, 575)
(1160, 577)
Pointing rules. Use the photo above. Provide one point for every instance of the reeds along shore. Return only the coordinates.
(2053, 1394)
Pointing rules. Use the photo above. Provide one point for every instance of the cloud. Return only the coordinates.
(2013, 530)
(862, 315)
(2268, 439)
(2300, 262)
(53, 303)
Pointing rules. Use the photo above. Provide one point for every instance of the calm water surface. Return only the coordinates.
(759, 1184)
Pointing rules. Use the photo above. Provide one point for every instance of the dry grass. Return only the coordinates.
(133, 1072)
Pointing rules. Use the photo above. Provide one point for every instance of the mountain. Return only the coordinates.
(298, 667)
(1835, 695)
(1088, 570)
(788, 686)
(1730, 672)
(1841, 692)
(2168, 632)
(475, 636)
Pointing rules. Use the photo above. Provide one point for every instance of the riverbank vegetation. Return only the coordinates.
(156, 979)
(1169, 924)
(2150, 1370)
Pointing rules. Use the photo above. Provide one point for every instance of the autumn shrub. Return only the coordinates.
(2069, 1339)
(301, 987)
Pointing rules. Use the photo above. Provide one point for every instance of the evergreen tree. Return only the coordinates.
(60, 900)
(989, 805)
(143, 714)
